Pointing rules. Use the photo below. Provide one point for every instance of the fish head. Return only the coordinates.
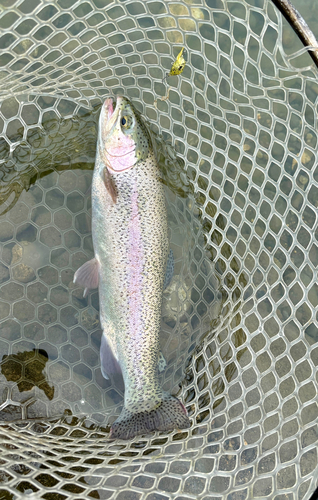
(123, 139)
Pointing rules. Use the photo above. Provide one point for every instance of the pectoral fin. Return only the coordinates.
(110, 184)
(108, 363)
(87, 275)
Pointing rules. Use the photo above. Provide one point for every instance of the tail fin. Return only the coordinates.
(170, 414)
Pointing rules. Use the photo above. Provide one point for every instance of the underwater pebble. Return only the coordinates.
(63, 219)
(23, 273)
(19, 213)
(302, 179)
(90, 318)
(6, 231)
(4, 273)
(67, 181)
(175, 294)
(12, 253)
(35, 254)
(4, 310)
(16, 254)
(305, 158)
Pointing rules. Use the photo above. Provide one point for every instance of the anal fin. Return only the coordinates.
(108, 363)
(87, 275)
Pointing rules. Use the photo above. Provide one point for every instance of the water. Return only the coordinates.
(46, 235)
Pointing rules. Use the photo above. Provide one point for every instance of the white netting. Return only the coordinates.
(240, 316)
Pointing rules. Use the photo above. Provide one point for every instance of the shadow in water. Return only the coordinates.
(26, 369)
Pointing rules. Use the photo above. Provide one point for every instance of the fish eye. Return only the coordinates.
(126, 121)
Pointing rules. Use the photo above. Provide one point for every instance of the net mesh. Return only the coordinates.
(240, 315)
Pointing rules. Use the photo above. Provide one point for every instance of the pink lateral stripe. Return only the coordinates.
(135, 269)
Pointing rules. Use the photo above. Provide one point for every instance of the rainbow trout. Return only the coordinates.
(130, 237)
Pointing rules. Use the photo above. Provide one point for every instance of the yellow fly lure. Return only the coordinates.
(176, 69)
(178, 65)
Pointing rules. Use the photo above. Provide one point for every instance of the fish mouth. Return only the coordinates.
(111, 109)
(107, 117)
(109, 124)
(112, 105)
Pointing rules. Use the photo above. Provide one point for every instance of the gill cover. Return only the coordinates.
(123, 138)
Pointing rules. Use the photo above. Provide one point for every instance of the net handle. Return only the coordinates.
(299, 25)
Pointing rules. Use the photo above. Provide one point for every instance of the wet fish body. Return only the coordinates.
(130, 237)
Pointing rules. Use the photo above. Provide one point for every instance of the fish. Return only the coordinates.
(130, 266)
